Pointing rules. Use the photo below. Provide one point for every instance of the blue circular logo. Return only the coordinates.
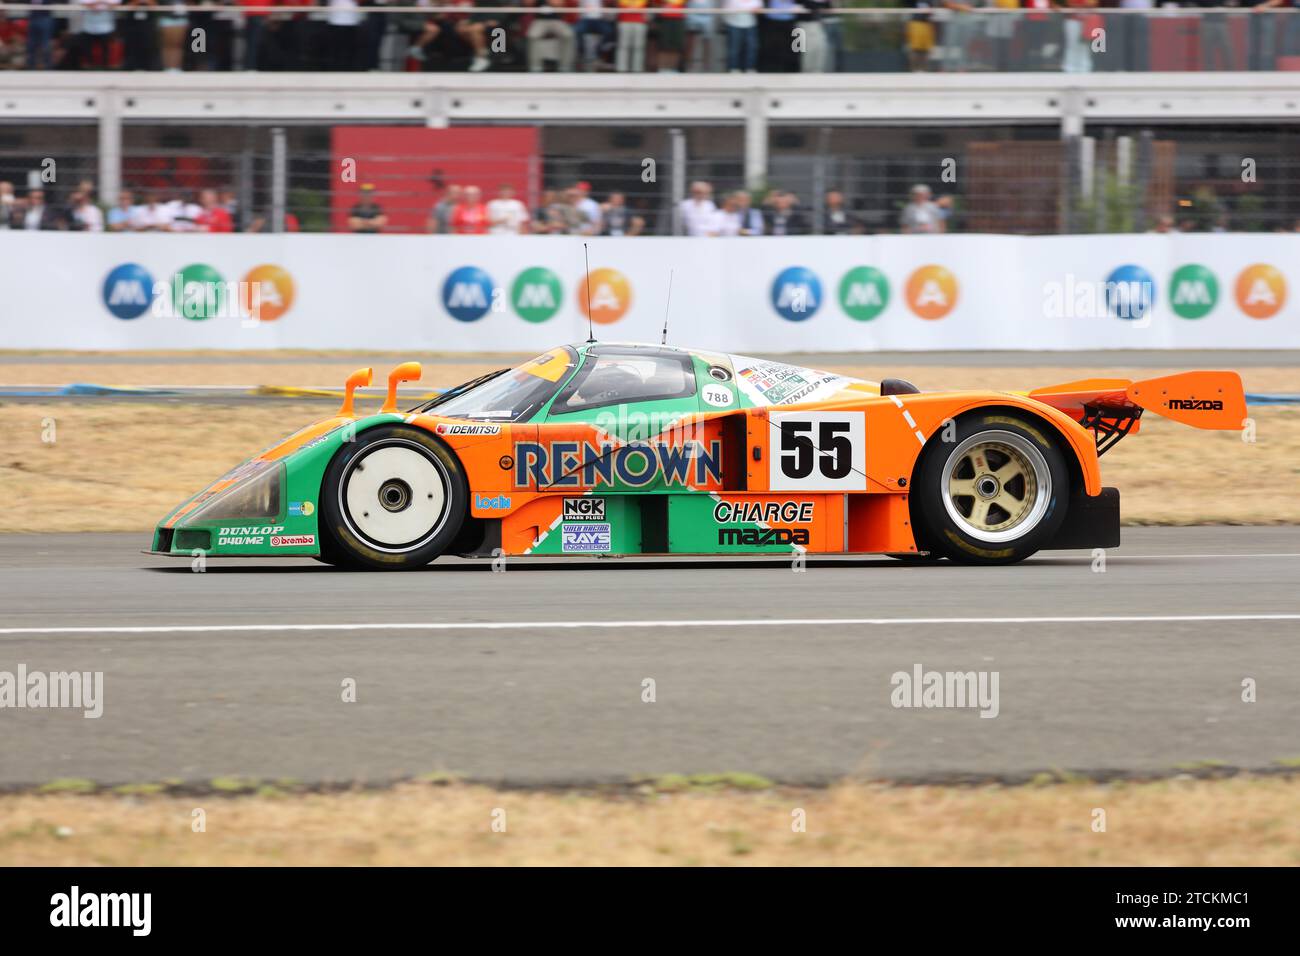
(467, 294)
(128, 291)
(796, 294)
(1130, 292)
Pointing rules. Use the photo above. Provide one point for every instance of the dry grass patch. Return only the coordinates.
(1172, 474)
(119, 466)
(1233, 822)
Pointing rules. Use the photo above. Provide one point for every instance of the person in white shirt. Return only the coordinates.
(38, 215)
(344, 41)
(698, 212)
(921, 214)
(183, 215)
(589, 207)
(154, 216)
(742, 34)
(86, 216)
(729, 220)
(507, 216)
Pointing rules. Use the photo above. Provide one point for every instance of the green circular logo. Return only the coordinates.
(1193, 292)
(202, 292)
(536, 294)
(864, 293)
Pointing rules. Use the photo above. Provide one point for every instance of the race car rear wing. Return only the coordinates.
(1112, 407)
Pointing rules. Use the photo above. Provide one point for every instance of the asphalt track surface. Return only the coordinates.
(535, 675)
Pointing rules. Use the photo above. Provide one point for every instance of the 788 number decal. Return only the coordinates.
(818, 451)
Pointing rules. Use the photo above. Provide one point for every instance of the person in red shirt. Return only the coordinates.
(629, 55)
(212, 217)
(13, 41)
(670, 35)
(470, 217)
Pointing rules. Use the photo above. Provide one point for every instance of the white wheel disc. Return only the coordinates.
(996, 486)
(394, 496)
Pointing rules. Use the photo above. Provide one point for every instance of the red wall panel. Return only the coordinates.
(410, 167)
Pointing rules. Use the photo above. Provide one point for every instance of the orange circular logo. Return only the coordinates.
(611, 296)
(266, 293)
(931, 292)
(1261, 291)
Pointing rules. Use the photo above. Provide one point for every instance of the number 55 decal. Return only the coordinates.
(818, 451)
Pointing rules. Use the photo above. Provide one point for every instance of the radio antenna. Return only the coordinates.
(667, 305)
(586, 263)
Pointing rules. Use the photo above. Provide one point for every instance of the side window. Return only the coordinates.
(614, 379)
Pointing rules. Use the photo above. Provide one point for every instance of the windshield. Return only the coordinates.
(509, 396)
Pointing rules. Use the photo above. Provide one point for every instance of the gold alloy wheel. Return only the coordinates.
(997, 486)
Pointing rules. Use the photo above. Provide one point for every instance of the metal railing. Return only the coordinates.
(780, 38)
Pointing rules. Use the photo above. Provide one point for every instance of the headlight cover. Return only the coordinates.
(257, 493)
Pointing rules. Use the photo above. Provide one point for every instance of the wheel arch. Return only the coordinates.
(1076, 445)
(396, 421)
(405, 423)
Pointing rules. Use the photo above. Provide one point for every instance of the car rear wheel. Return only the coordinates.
(995, 494)
(394, 499)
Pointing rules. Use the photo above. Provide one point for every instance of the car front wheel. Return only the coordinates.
(393, 499)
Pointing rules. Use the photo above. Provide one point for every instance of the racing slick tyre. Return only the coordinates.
(394, 499)
(995, 494)
(330, 553)
(927, 549)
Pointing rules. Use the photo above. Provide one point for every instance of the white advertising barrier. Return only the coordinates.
(814, 294)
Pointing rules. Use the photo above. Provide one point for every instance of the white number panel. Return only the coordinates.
(818, 451)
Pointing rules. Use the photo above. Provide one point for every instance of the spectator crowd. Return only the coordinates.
(780, 214)
(205, 210)
(463, 210)
(776, 36)
(573, 211)
(565, 35)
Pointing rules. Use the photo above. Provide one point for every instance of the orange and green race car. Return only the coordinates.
(604, 449)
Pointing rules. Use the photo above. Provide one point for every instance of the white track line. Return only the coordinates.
(596, 625)
(1199, 557)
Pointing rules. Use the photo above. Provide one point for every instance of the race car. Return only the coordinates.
(624, 449)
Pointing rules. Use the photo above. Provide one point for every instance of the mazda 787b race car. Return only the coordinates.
(603, 449)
